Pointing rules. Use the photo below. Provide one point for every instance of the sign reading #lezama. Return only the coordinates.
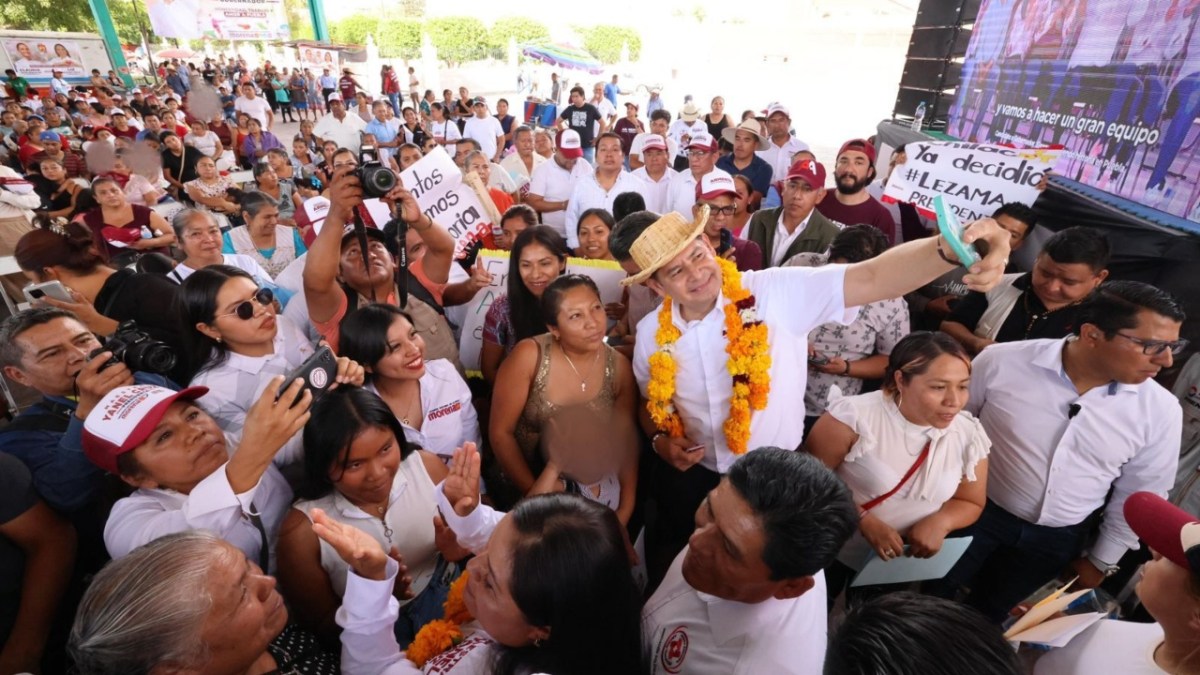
(975, 179)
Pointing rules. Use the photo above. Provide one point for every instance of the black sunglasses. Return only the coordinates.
(245, 309)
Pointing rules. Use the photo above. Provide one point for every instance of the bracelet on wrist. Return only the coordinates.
(942, 253)
(847, 370)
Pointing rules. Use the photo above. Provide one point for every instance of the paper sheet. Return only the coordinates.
(1051, 605)
(904, 569)
(1058, 632)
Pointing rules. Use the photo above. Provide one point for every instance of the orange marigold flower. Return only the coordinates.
(434, 638)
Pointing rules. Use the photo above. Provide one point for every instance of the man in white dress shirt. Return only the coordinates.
(702, 159)
(783, 145)
(1077, 425)
(552, 183)
(747, 596)
(340, 127)
(675, 261)
(599, 189)
(656, 173)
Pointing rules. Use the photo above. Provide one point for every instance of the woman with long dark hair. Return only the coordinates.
(360, 470)
(538, 257)
(549, 589)
(557, 395)
(238, 343)
(429, 398)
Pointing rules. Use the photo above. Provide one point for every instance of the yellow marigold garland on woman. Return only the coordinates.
(749, 363)
(442, 634)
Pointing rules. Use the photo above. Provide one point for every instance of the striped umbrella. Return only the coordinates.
(564, 56)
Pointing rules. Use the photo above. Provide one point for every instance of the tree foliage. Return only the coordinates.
(73, 16)
(458, 38)
(520, 28)
(605, 41)
(354, 29)
(399, 38)
(299, 19)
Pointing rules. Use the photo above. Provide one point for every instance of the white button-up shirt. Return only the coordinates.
(237, 383)
(655, 192)
(555, 184)
(450, 419)
(588, 193)
(1054, 470)
(694, 633)
(681, 195)
(347, 132)
(791, 301)
(147, 514)
(784, 239)
(780, 156)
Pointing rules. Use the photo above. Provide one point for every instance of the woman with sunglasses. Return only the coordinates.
(234, 336)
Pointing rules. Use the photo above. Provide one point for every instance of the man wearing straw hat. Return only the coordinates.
(722, 363)
(747, 139)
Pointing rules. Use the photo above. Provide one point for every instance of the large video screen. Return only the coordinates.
(1116, 82)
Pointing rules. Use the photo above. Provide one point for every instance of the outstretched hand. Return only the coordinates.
(358, 549)
(461, 486)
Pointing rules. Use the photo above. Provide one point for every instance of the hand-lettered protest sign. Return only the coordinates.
(606, 273)
(438, 186)
(975, 179)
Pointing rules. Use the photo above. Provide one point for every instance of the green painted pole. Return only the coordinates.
(111, 41)
(316, 9)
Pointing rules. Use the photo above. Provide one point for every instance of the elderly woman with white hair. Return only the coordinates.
(189, 602)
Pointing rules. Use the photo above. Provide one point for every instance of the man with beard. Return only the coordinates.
(851, 204)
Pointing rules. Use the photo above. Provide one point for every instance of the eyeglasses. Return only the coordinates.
(245, 309)
(722, 210)
(1157, 347)
(698, 153)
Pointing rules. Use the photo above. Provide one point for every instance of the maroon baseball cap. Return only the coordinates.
(124, 419)
(808, 170)
(1166, 528)
(859, 145)
(569, 144)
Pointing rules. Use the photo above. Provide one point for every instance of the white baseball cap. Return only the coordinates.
(569, 143)
(124, 418)
(714, 184)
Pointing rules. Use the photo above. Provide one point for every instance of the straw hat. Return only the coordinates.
(662, 241)
(749, 126)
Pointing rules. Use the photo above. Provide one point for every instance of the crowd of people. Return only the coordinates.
(256, 447)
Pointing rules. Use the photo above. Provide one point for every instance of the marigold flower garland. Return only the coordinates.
(442, 634)
(749, 363)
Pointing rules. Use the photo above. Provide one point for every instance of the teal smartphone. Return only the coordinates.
(952, 230)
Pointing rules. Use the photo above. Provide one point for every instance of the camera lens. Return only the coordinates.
(376, 180)
(153, 357)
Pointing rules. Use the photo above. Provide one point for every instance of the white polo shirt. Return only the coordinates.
(347, 132)
(780, 156)
(791, 302)
(655, 192)
(258, 108)
(554, 183)
(1052, 469)
(693, 633)
(589, 194)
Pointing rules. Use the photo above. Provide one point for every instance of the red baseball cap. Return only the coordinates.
(654, 142)
(1166, 528)
(124, 418)
(703, 141)
(714, 184)
(808, 170)
(569, 144)
(859, 145)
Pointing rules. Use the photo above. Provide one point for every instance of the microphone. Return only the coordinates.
(1073, 410)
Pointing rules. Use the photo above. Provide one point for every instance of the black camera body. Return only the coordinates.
(137, 350)
(376, 179)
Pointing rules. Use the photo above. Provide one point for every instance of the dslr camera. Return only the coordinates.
(137, 350)
(377, 180)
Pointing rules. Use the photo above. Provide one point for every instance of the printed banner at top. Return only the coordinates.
(974, 178)
(39, 57)
(219, 19)
(1115, 82)
(317, 60)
